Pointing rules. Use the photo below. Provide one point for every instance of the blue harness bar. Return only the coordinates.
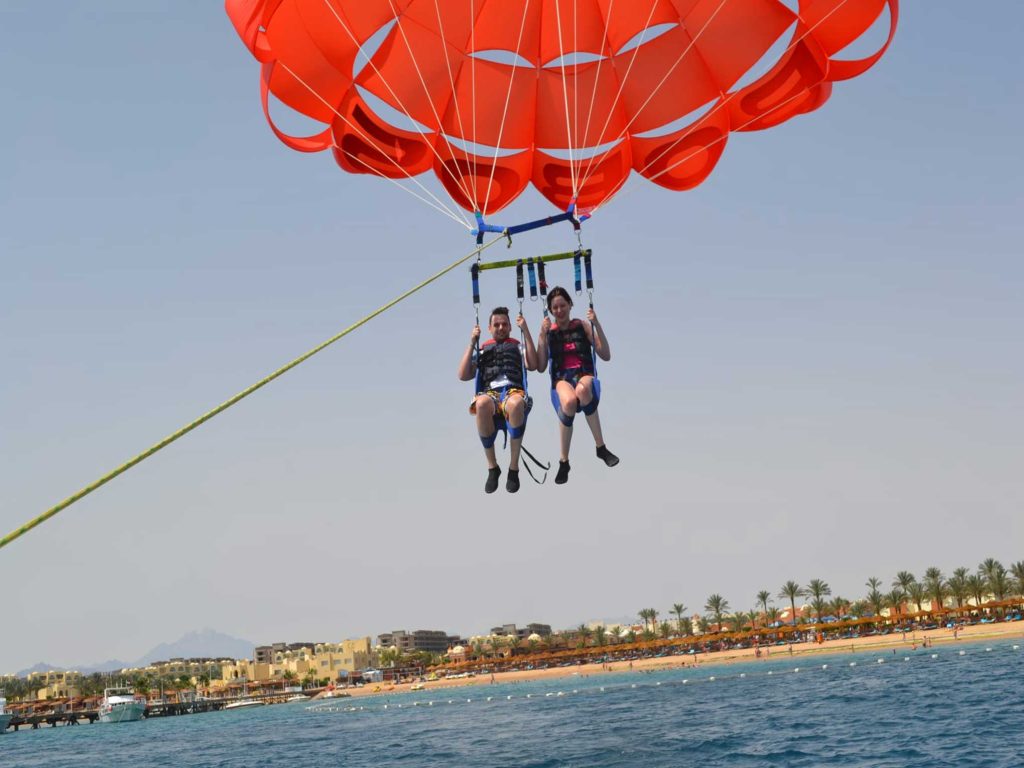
(483, 227)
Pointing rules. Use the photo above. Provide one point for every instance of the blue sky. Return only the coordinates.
(816, 363)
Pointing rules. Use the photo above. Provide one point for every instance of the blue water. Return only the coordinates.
(951, 710)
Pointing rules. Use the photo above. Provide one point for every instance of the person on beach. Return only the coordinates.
(569, 345)
(502, 390)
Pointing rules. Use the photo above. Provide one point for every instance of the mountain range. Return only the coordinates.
(205, 643)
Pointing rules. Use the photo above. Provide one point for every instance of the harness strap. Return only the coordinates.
(536, 461)
(576, 270)
(532, 272)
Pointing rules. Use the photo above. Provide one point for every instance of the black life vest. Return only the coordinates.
(573, 338)
(499, 365)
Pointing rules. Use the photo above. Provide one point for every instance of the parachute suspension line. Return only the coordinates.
(597, 79)
(618, 94)
(451, 82)
(654, 92)
(18, 532)
(463, 185)
(720, 105)
(565, 99)
(472, 72)
(441, 208)
(369, 61)
(456, 216)
(796, 41)
(504, 112)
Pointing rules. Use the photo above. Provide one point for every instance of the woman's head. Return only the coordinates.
(559, 303)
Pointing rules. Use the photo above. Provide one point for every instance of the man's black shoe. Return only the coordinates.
(563, 473)
(512, 481)
(492, 479)
(607, 456)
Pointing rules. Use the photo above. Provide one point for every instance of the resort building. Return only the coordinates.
(510, 630)
(174, 669)
(432, 640)
(320, 661)
(55, 685)
(265, 654)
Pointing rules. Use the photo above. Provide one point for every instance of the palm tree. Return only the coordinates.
(818, 589)
(772, 615)
(717, 606)
(752, 618)
(958, 586)
(665, 630)
(977, 587)
(903, 580)
(645, 616)
(894, 601)
(763, 597)
(1000, 582)
(876, 600)
(873, 583)
(935, 585)
(678, 609)
(916, 592)
(583, 632)
(818, 605)
(791, 590)
(1017, 569)
(839, 607)
(703, 625)
(989, 566)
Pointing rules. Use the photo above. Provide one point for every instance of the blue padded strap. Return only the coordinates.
(590, 407)
(516, 433)
(488, 442)
(562, 417)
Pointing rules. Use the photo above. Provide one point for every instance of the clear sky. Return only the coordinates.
(816, 367)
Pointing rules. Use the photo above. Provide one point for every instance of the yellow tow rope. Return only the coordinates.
(228, 403)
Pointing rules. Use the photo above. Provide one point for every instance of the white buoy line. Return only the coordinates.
(389, 705)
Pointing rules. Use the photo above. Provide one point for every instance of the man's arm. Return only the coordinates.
(467, 366)
(531, 351)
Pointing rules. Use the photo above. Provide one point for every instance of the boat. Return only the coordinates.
(121, 705)
(417, 687)
(5, 716)
(243, 703)
(297, 697)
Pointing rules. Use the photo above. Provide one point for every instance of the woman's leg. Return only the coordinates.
(585, 394)
(567, 401)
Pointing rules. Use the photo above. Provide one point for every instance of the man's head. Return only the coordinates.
(499, 325)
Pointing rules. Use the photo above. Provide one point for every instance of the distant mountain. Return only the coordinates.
(206, 643)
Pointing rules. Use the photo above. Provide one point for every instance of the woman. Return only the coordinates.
(570, 345)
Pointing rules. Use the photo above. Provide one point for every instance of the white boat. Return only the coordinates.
(5, 716)
(243, 703)
(121, 705)
(297, 697)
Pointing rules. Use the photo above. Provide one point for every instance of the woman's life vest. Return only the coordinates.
(500, 365)
(570, 350)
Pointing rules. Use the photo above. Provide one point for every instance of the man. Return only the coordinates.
(501, 394)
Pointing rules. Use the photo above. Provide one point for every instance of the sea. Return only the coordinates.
(959, 706)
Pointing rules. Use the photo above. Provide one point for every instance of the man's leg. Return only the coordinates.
(515, 418)
(487, 432)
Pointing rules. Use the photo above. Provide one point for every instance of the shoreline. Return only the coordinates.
(907, 641)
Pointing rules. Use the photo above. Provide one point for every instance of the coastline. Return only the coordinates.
(895, 642)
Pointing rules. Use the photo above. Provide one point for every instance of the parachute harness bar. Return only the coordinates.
(483, 227)
(22, 530)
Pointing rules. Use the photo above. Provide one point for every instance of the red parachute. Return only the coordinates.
(569, 95)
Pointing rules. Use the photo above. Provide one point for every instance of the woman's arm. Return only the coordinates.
(595, 333)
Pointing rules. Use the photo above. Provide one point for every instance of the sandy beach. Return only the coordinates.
(894, 642)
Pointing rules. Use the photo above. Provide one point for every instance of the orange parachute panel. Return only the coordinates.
(570, 96)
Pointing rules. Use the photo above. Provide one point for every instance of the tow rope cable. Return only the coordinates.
(18, 532)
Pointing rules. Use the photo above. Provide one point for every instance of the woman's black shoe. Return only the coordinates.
(607, 456)
(563, 473)
(512, 481)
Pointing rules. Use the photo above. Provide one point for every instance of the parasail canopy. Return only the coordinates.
(567, 95)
